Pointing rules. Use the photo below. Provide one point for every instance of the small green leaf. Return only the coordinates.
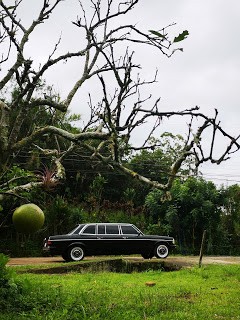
(182, 36)
(156, 33)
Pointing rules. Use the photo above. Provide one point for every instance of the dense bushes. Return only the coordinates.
(193, 206)
(9, 289)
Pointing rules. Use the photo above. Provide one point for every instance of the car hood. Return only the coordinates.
(158, 237)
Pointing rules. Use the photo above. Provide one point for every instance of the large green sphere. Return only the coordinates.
(28, 218)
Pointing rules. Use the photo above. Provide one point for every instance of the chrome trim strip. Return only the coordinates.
(110, 239)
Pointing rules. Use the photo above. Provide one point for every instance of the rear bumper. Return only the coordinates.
(46, 249)
(51, 250)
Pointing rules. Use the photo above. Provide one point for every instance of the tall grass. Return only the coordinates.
(208, 293)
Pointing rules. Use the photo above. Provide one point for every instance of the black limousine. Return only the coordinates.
(107, 239)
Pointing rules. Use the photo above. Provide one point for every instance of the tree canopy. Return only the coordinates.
(108, 135)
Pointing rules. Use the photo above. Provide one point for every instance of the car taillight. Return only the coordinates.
(49, 242)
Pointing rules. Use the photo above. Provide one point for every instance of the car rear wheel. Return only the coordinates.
(147, 256)
(161, 251)
(75, 253)
(65, 256)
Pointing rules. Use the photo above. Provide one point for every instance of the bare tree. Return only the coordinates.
(119, 113)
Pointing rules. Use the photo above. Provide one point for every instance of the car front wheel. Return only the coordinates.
(76, 253)
(161, 251)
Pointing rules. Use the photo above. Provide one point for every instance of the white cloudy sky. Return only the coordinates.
(206, 74)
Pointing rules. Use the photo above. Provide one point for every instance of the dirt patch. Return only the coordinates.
(117, 265)
(178, 261)
(33, 261)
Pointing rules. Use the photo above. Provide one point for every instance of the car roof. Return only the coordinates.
(107, 223)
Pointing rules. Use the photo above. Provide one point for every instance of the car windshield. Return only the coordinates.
(139, 231)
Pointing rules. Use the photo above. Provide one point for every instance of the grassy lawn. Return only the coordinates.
(211, 292)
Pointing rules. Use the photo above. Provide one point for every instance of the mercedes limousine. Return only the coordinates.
(107, 239)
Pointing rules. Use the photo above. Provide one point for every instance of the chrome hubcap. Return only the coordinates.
(77, 254)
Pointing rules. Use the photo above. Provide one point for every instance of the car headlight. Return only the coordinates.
(173, 241)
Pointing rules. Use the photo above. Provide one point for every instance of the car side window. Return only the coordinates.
(89, 229)
(129, 230)
(101, 229)
(112, 229)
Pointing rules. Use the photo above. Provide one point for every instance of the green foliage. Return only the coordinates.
(158, 34)
(182, 36)
(157, 229)
(61, 216)
(195, 206)
(230, 217)
(129, 194)
(16, 171)
(74, 117)
(9, 290)
(154, 204)
(97, 186)
(4, 274)
(16, 175)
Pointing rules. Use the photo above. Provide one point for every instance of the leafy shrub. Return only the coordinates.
(61, 216)
(9, 290)
(3, 269)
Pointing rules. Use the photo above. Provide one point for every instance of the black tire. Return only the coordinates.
(75, 253)
(65, 256)
(147, 255)
(161, 251)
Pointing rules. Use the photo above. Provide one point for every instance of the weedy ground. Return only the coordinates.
(210, 292)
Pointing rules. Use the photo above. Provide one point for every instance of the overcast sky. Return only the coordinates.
(206, 74)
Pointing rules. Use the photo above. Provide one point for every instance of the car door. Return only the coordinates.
(88, 237)
(131, 242)
(109, 239)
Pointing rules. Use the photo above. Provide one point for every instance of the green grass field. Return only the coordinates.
(211, 292)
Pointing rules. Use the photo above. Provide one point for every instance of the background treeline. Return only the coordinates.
(193, 205)
(93, 192)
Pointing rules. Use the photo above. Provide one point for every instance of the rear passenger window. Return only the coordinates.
(90, 229)
(129, 230)
(101, 229)
(111, 229)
